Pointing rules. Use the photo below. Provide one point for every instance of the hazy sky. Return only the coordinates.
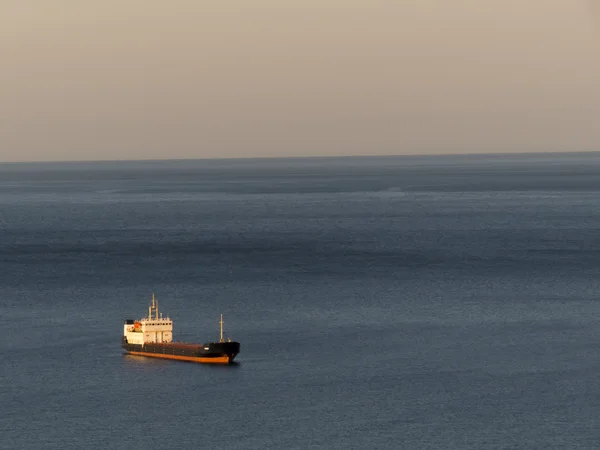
(129, 79)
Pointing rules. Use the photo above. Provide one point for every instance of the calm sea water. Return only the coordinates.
(384, 303)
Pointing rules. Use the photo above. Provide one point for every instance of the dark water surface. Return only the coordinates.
(385, 303)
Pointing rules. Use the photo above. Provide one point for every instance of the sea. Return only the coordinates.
(409, 302)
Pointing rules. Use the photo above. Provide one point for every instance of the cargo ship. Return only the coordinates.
(153, 336)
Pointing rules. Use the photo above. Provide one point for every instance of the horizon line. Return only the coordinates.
(298, 157)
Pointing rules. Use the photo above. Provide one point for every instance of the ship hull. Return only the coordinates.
(209, 353)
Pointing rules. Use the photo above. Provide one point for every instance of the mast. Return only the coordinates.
(221, 323)
(153, 307)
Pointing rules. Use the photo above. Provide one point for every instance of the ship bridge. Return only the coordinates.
(150, 329)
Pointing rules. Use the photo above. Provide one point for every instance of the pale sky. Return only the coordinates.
(156, 79)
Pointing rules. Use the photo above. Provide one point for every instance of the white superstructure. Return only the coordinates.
(154, 328)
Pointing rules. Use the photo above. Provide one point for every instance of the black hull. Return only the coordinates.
(212, 352)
